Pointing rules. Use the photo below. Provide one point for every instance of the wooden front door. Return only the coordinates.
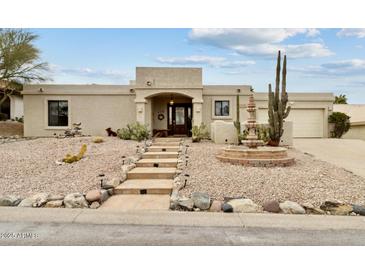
(179, 120)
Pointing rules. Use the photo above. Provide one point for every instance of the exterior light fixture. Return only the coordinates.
(171, 101)
(41, 90)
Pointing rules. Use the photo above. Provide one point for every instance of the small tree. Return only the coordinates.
(340, 99)
(19, 62)
(341, 123)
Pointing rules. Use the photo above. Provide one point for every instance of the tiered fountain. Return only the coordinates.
(253, 153)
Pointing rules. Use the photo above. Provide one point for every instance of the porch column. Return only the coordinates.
(197, 112)
(141, 111)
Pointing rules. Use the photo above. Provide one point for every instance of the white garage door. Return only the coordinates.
(306, 122)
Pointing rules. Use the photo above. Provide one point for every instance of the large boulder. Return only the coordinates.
(36, 200)
(289, 207)
(10, 200)
(244, 206)
(93, 195)
(336, 207)
(75, 200)
(272, 206)
(216, 206)
(186, 204)
(54, 204)
(227, 208)
(113, 183)
(358, 209)
(201, 200)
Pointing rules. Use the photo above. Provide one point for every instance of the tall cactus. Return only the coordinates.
(278, 109)
(237, 123)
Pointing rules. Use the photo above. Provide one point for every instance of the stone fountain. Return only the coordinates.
(254, 153)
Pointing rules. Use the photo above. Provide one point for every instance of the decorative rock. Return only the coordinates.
(358, 209)
(353, 214)
(93, 195)
(289, 207)
(201, 200)
(310, 209)
(227, 208)
(272, 206)
(104, 195)
(94, 205)
(337, 207)
(216, 206)
(56, 197)
(244, 206)
(54, 204)
(9, 200)
(126, 168)
(36, 200)
(185, 203)
(111, 191)
(113, 183)
(75, 200)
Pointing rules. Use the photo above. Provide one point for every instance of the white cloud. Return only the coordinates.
(89, 72)
(359, 33)
(349, 67)
(261, 42)
(213, 61)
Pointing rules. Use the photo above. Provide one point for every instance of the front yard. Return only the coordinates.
(29, 167)
(308, 181)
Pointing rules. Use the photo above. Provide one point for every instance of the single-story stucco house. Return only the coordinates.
(168, 100)
(357, 119)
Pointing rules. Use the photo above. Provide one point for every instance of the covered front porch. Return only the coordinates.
(172, 113)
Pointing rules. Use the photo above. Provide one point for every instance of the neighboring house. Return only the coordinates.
(168, 100)
(357, 120)
(13, 106)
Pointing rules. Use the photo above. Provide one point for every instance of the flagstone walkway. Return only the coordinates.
(150, 183)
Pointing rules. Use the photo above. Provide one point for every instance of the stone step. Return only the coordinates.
(151, 173)
(155, 148)
(168, 139)
(170, 162)
(124, 203)
(166, 144)
(145, 186)
(160, 155)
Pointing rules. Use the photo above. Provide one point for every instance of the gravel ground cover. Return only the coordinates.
(29, 167)
(309, 180)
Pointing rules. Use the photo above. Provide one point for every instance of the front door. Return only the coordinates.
(179, 120)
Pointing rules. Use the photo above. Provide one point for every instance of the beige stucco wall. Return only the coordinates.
(95, 112)
(356, 131)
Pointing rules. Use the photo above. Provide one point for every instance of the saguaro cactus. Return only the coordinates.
(278, 109)
(237, 123)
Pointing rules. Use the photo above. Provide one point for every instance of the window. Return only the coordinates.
(221, 108)
(57, 113)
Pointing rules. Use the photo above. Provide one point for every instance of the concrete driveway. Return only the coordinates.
(346, 153)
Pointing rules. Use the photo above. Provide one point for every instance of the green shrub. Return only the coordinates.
(3, 117)
(199, 132)
(341, 124)
(135, 131)
(261, 131)
(19, 119)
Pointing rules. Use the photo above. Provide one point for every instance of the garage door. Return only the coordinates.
(306, 122)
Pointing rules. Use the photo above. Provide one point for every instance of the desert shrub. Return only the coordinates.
(135, 131)
(199, 132)
(3, 117)
(74, 158)
(98, 140)
(341, 124)
(261, 131)
(19, 119)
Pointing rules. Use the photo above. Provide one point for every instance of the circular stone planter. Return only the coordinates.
(256, 157)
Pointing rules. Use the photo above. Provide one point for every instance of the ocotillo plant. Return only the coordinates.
(278, 109)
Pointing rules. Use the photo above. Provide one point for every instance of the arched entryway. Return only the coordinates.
(170, 112)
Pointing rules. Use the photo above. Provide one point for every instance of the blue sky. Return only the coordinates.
(327, 60)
